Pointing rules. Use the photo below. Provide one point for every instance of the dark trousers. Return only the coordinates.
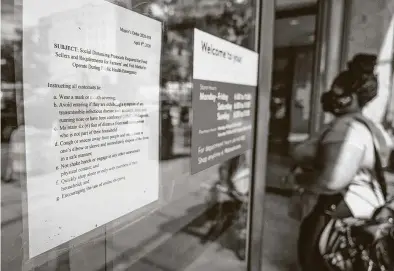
(308, 242)
(311, 229)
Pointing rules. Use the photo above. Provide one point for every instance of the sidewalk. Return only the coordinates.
(277, 167)
(280, 238)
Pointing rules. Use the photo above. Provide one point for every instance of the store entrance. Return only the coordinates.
(283, 72)
(291, 80)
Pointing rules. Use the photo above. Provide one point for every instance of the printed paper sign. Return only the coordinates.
(91, 95)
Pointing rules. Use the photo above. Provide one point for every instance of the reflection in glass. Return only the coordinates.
(200, 218)
(291, 81)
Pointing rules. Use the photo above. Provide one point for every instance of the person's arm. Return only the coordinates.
(338, 160)
(304, 154)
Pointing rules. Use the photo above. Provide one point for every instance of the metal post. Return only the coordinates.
(335, 40)
(328, 55)
(318, 82)
(265, 17)
(348, 4)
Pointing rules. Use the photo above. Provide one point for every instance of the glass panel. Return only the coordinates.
(290, 113)
(280, 98)
(302, 87)
(287, 4)
(294, 31)
(291, 82)
(199, 222)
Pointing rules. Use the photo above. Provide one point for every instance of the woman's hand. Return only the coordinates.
(291, 180)
(304, 154)
(304, 178)
(308, 181)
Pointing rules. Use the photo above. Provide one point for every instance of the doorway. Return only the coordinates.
(282, 80)
(294, 45)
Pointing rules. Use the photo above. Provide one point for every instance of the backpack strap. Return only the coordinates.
(379, 171)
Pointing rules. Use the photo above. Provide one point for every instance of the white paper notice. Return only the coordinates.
(91, 75)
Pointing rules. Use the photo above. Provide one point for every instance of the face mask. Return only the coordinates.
(335, 103)
(327, 102)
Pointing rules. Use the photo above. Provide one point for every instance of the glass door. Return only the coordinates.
(282, 85)
(82, 76)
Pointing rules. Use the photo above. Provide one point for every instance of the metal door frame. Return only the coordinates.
(330, 51)
(265, 16)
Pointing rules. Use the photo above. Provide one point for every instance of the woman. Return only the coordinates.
(341, 161)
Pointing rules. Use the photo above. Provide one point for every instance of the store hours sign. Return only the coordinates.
(223, 100)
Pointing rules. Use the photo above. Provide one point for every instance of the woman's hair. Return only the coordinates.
(359, 78)
(364, 82)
